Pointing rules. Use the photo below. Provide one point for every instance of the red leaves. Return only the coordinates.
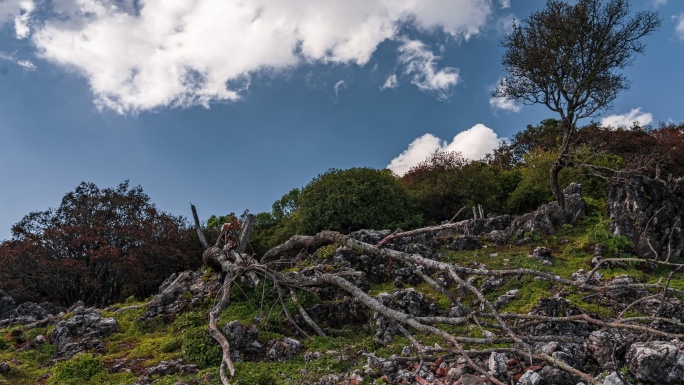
(98, 246)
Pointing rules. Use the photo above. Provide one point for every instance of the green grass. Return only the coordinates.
(187, 336)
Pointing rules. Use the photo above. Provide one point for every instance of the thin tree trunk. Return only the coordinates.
(557, 166)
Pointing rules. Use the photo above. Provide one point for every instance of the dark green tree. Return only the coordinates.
(353, 199)
(569, 58)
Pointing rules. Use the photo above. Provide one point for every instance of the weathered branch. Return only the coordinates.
(198, 227)
(507, 328)
(215, 332)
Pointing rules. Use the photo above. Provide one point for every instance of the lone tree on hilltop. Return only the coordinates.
(569, 57)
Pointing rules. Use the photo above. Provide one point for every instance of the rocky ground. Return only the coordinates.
(593, 309)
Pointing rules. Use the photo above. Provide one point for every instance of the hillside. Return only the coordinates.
(576, 298)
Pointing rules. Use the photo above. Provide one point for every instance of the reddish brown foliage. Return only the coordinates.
(98, 246)
(645, 149)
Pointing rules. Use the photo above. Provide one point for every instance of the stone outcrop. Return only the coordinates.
(25, 313)
(657, 362)
(179, 292)
(650, 212)
(81, 332)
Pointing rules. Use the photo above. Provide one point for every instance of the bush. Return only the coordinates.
(80, 370)
(446, 181)
(353, 199)
(200, 348)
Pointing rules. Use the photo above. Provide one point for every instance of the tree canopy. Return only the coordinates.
(569, 58)
(99, 246)
(353, 199)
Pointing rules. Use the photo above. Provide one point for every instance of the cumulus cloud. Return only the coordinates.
(507, 3)
(473, 143)
(390, 83)
(21, 21)
(679, 26)
(18, 12)
(628, 119)
(140, 55)
(420, 64)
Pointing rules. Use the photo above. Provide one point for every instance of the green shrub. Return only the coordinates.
(80, 370)
(353, 199)
(200, 348)
(171, 345)
(3, 344)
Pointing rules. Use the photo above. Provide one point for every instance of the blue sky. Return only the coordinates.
(231, 104)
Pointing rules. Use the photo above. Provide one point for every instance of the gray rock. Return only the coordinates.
(649, 212)
(7, 304)
(4, 368)
(407, 300)
(491, 283)
(166, 368)
(613, 379)
(284, 349)
(338, 312)
(555, 376)
(243, 341)
(70, 349)
(24, 314)
(543, 220)
(541, 252)
(583, 276)
(530, 378)
(657, 362)
(602, 345)
(497, 364)
(464, 242)
(85, 323)
(172, 298)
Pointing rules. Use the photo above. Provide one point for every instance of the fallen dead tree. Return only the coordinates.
(228, 257)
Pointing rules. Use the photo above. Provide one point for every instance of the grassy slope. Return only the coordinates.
(146, 344)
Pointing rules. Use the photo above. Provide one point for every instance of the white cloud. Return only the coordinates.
(507, 3)
(474, 143)
(419, 64)
(417, 152)
(628, 119)
(21, 20)
(338, 86)
(679, 27)
(141, 55)
(658, 3)
(27, 64)
(500, 103)
(390, 83)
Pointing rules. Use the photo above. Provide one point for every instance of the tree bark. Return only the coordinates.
(557, 166)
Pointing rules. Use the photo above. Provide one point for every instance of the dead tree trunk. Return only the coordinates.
(505, 328)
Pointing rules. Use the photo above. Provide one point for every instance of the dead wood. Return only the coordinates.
(508, 328)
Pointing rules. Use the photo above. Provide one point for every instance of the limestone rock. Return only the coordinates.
(657, 362)
(649, 212)
(284, 349)
(172, 298)
(86, 322)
